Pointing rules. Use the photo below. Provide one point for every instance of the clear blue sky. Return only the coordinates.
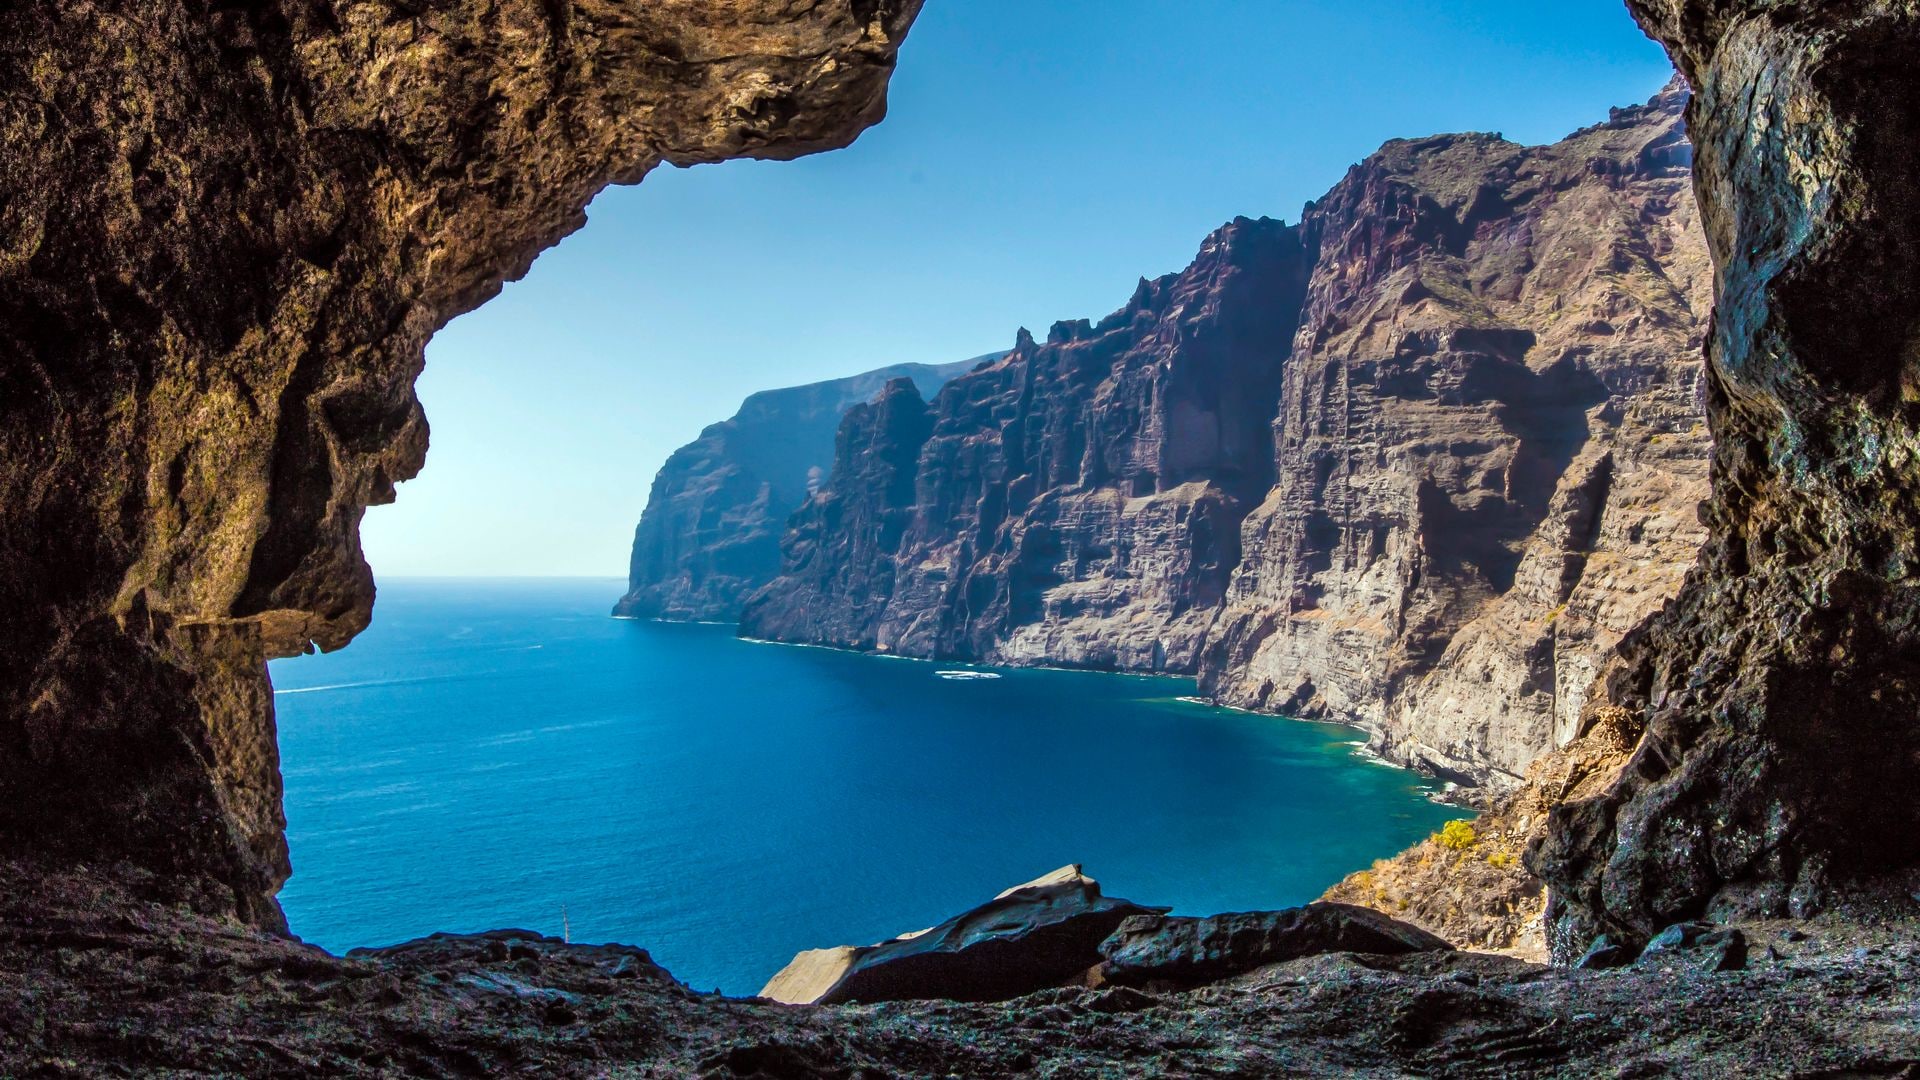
(1039, 158)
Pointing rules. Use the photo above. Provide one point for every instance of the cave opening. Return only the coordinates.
(754, 276)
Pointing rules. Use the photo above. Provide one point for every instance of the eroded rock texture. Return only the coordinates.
(1416, 463)
(1077, 503)
(1780, 692)
(1032, 937)
(1489, 448)
(711, 531)
(226, 233)
(95, 983)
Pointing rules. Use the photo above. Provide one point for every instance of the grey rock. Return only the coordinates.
(1607, 952)
(1190, 951)
(1029, 938)
(1723, 950)
(1673, 939)
(1702, 944)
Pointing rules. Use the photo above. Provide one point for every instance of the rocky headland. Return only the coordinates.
(710, 534)
(1416, 463)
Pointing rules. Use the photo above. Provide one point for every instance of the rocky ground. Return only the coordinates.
(94, 982)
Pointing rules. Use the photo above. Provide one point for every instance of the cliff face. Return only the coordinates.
(1078, 502)
(1416, 463)
(1779, 693)
(1489, 448)
(711, 531)
(226, 234)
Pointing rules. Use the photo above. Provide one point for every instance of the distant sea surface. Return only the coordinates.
(503, 754)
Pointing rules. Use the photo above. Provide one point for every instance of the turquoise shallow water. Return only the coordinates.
(493, 753)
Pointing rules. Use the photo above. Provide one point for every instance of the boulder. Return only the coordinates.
(1191, 951)
(1705, 945)
(1029, 938)
(1607, 952)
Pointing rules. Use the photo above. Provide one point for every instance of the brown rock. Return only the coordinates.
(1432, 511)
(1479, 894)
(1779, 690)
(1078, 503)
(1490, 445)
(711, 531)
(226, 234)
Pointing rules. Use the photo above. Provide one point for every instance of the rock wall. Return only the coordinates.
(1490, 446)
(1078, 502)
(1780, 690)
(710, 534)
(226, 234)
(1416, 463)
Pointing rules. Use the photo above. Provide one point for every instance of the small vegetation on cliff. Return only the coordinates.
(1457, 836)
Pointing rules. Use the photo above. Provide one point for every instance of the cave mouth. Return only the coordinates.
(450, 440)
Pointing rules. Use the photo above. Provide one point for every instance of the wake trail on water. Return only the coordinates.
(377, 682)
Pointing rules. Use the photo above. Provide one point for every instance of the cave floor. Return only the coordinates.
(94, 982)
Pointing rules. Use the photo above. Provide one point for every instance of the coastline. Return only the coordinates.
(1447, 792)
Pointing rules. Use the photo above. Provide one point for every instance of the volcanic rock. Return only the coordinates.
(1029, 938)
(711, 531)
(1489, 448)
(1077, 503)
(1416, 463)
(226, 233)
(94, 982)
(1605, 952)
(1780, 688)
(1164, 950)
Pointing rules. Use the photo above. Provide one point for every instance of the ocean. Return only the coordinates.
(502, 753)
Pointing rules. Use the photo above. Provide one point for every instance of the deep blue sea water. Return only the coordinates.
(495, 753)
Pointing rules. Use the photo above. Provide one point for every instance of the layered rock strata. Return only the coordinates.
(1077, 503)
(710, 534)
(1490, 447)
(226, 233)
(1779, 691)
(1416, 463)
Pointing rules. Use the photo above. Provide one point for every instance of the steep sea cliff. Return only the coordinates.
(711, 531)
(1415, 463)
